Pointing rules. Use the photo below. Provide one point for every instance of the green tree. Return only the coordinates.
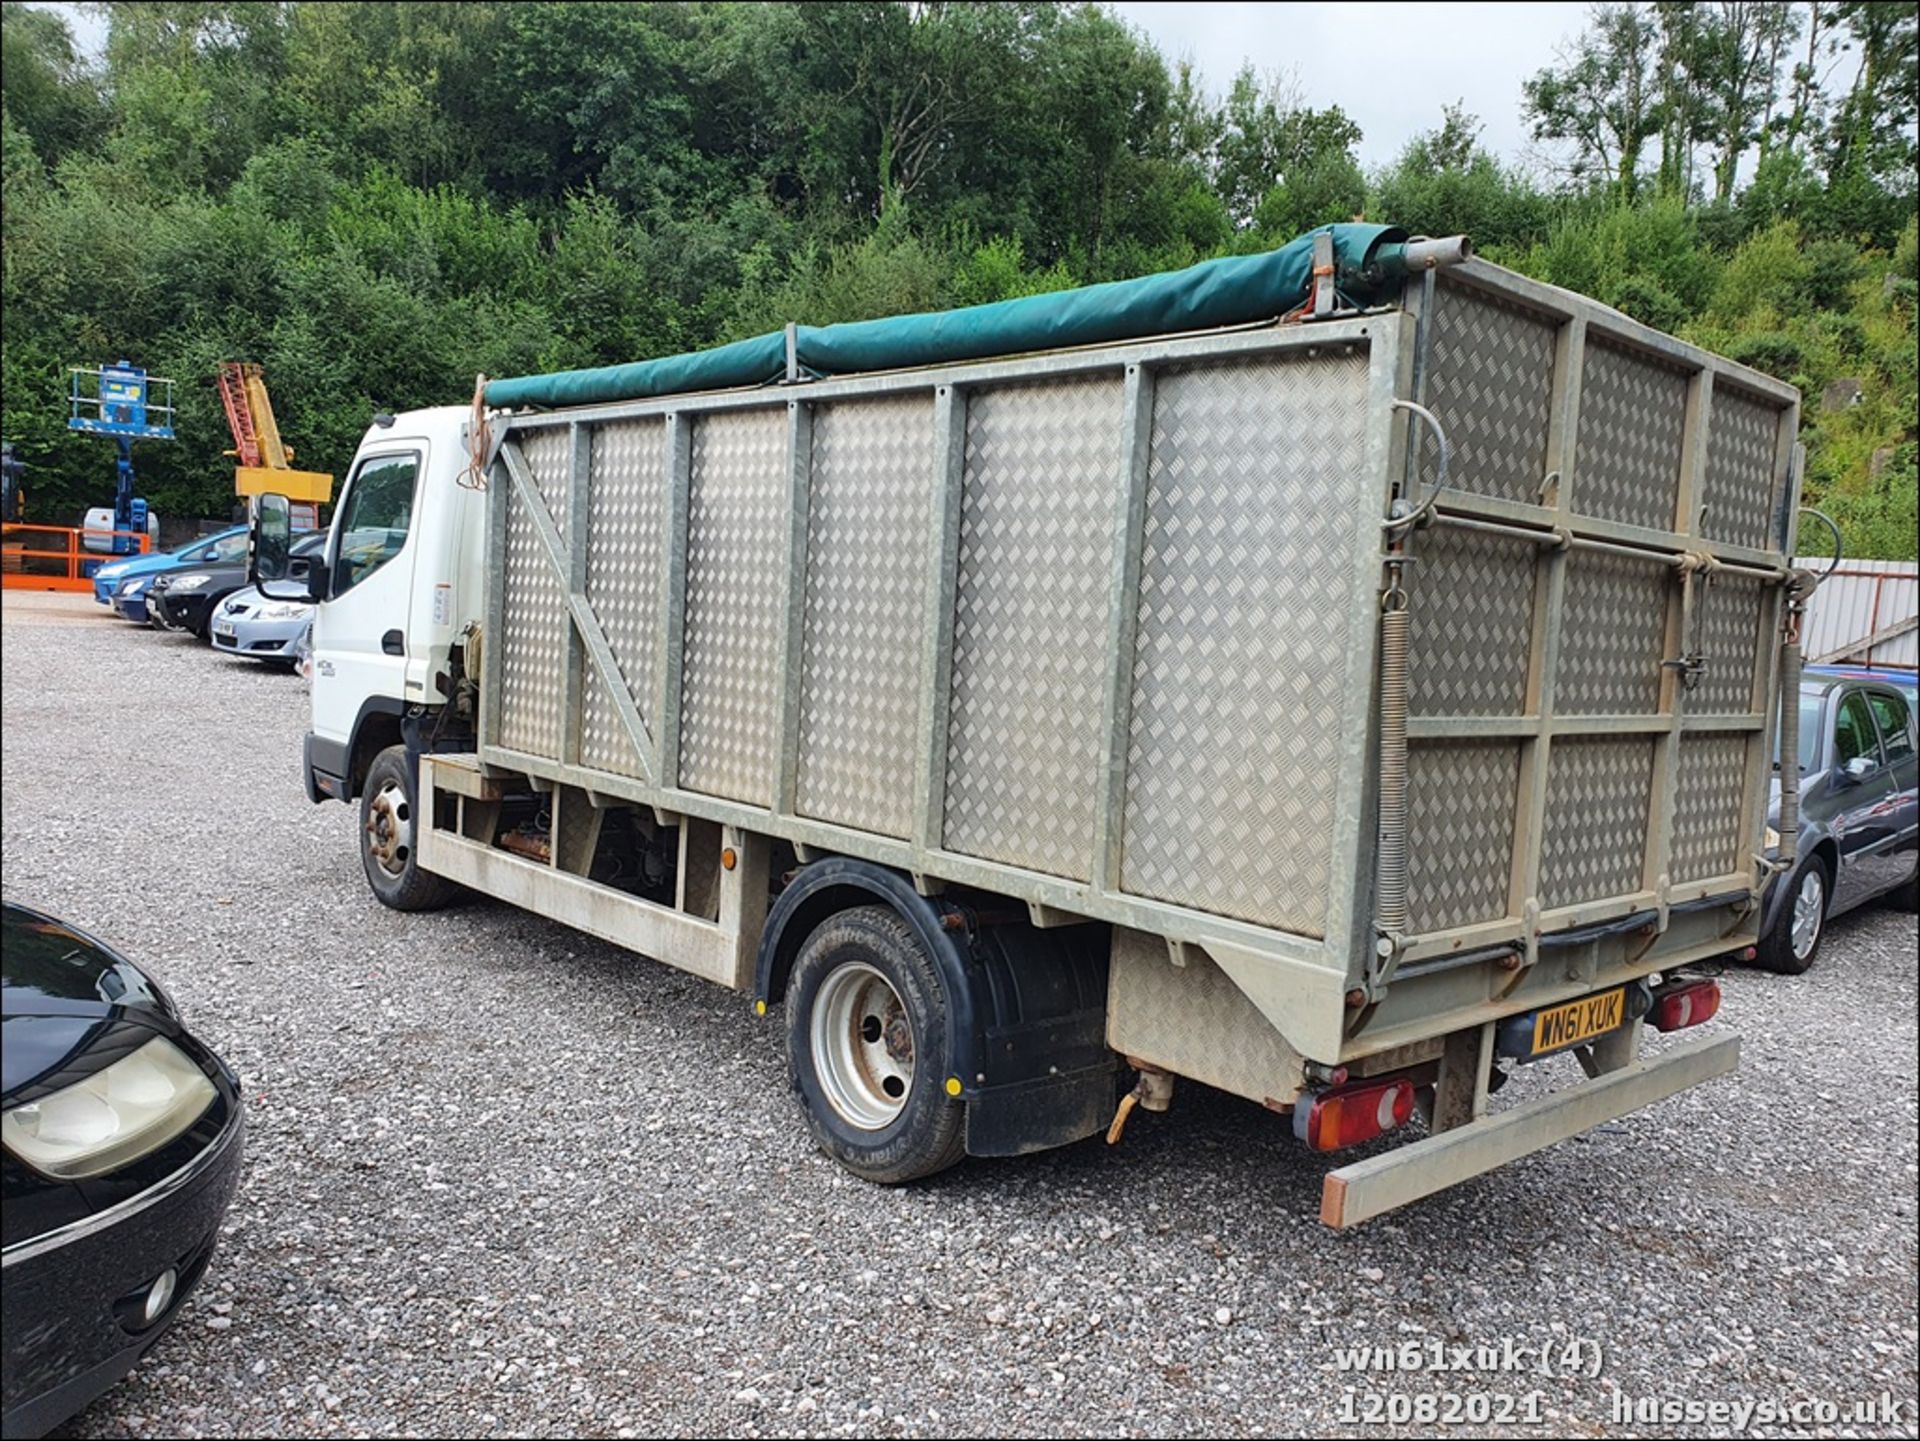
(1445, 183)
(1743, 45)
(1270, 142)
(1602, 98)
(49, 94)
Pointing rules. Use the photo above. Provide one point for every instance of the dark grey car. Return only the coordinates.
(1859, 814)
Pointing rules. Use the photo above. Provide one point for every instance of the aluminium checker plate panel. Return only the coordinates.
(1139, 668)
(1150, 700)
(1564, 765)
(1030, 619)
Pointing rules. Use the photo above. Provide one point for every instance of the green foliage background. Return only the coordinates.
(377, 201)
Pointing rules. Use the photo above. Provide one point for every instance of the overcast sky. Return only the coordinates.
(1390, 67)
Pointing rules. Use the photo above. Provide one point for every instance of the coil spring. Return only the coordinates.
(1789, 826)
(1391, 903)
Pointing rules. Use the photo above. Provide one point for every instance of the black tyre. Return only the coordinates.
(867, 1046)
(387, 831)
(1791, 944)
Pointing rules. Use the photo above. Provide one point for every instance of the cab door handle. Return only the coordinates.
(393, 643)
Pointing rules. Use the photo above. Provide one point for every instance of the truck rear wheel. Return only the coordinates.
(867, 1046)
(387, 835)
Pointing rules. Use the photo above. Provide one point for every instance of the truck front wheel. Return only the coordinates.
(388, 834)
(867, 1044)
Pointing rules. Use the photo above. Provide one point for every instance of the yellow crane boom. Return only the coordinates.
(266, 463)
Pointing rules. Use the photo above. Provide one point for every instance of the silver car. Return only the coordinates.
(259, 627)
(249, 624)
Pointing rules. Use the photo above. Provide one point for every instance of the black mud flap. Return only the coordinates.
(1039, 1115)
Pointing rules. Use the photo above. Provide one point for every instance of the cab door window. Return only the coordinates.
(374, 523)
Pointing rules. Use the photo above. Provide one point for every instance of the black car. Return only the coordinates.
(190, 599)
(186, 599)
(1859, 812)
(122, 1143)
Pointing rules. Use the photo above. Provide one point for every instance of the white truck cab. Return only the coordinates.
(400, 584)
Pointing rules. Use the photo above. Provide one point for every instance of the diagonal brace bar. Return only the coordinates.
(584, 620)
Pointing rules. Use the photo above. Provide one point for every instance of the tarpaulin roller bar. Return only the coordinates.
(1236, 290)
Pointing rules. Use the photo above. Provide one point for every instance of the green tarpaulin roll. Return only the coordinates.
(1234, 291)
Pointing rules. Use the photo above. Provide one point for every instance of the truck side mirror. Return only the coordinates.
(270, 548)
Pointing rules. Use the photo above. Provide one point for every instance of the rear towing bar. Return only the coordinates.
(1374, 1186)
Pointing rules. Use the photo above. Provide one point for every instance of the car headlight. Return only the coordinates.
(290, 610)
(188, 582)
(134, 586)
(129, 1110)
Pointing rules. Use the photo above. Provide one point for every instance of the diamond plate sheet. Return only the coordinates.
(1194, 1021)
(533, 612)
(1595, 836)
(1633, 414)
(1470, 614)
(1461, 800)
(1732, 640)
(1738, 488)
(1490, 380)
(1240, 659)
(1711, 778)
(1613, 635)
(736, 598)
(627, 501)
(1030, 623)
(860, 687)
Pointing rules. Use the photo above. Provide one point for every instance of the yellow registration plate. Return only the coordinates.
(1578, 1021)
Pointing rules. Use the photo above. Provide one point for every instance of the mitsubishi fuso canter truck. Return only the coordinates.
(1338, 675)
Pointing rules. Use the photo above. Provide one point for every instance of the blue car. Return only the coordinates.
(123, 583)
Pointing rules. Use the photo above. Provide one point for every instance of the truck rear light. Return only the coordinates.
(1685, 1005)
(1352, 1114)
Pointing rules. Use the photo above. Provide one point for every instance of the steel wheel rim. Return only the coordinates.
(390, 828)
(1809, 909)
(862, 1046)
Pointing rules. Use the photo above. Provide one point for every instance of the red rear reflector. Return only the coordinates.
(1685, 1005)
(1352, 1114)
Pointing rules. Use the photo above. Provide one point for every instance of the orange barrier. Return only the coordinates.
(29, 559)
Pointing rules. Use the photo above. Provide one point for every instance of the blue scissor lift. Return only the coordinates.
(125, 404)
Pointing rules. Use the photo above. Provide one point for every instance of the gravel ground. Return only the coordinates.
(505, 1179)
